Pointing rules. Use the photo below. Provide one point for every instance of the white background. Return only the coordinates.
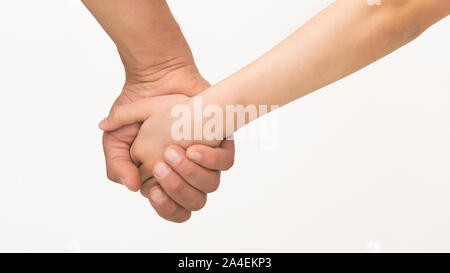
(362, 165)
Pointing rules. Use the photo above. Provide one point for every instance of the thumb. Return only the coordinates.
(119, 166)
(125, 172)
(126, 114)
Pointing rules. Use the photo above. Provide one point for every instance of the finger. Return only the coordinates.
(221, 158)
(166, 207)
(119, 166)
(126, 114)
(177, 189)
(203, 179)
(146, 171)
(147, 185)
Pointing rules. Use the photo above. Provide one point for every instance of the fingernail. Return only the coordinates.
(102, 124)
(172, 156)
(123, 181)
(157, 196)
(161, 170)
(195, 156)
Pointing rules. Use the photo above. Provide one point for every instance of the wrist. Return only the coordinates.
(150, 60)
(176, 76)
(151, 68)
(215, 117)
(227, 106)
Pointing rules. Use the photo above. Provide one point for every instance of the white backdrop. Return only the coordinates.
(362, 165)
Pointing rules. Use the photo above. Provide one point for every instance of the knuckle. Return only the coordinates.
(199, 204)
(144, 191)
(188, 172)
(168, 209)
(110, 176)
(115, 114)
(182, 219)
(133, 187)
(214, 161)
(229, 164)
(213, 186)
(176, 186)
(136, 152)
(147, 186)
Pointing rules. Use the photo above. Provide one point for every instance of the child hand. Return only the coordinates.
(183, 183)
(156, 131)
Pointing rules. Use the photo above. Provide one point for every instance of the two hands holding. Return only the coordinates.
(160, 73)
(158, 65)
(176, 179)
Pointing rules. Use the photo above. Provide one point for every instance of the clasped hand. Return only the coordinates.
(140, 154)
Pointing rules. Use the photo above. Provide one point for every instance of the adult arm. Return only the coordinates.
(157, 61)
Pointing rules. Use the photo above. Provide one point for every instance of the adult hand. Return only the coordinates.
(191, 176)
(203, 166)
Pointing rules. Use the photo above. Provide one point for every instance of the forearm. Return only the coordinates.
(145, 32)
(345, 37)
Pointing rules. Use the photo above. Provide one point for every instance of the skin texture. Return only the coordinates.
(336, 43)
(157, 61)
